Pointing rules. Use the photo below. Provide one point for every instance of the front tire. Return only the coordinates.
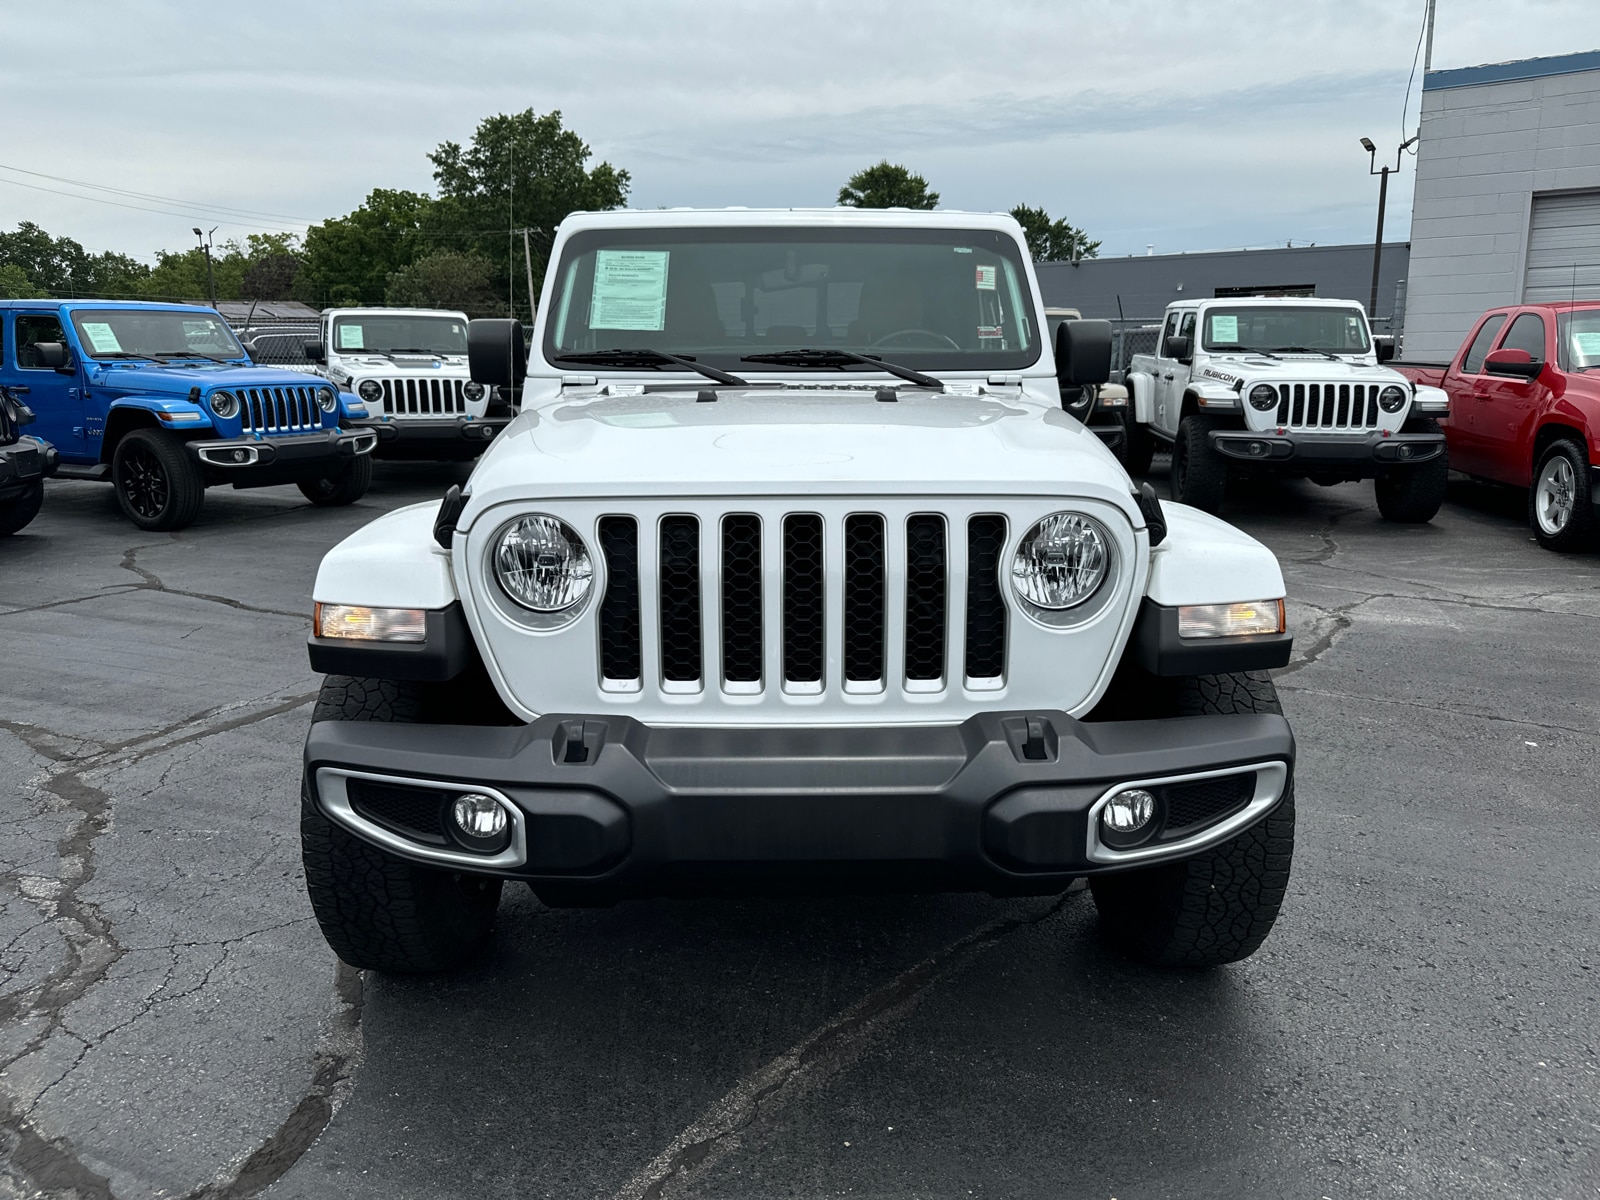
(1218, 906)
(16, 512)
(1560, 507)
(1413, 495)
(1199, 475)
(340, 487)
(158, 486)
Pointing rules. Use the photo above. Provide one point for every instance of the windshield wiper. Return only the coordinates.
(842, 358)
(165, 354)
(125, 356)
(1310, 350)
(648, 358)
(1247, 350)
(411, 350)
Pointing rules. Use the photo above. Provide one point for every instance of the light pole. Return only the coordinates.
(211, 281)
(1383, 199)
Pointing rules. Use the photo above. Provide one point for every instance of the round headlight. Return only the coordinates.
(472, 389)
(328, 399)
(1392, 399)
(543, 564)
(370, 391)
(1061, 561)
(224, 404)
(1264, 396)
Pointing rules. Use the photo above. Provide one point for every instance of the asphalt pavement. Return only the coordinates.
(1421, 1023)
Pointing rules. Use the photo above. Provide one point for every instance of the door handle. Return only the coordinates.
(1168, 378)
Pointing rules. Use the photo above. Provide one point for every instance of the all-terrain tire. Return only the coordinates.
(1563, 466)
(379, 911)
(158, 486)
(341, 487)
(1138, 446)
(16, 512)
(1199, 474)
(1218, 906)
(1412, 495)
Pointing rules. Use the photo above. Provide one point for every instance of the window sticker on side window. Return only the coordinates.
(1224, 328)
(630, 290)
(102, 338)
(1588, 344)
(352, 337)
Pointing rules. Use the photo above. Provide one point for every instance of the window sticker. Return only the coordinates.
(991, 331)
(1224, 328)
(1588, 344)
(101, 337)
(630, 290)
(986, 278)
(351, 337)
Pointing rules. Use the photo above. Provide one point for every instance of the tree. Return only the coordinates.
(348, 260)
(446, 279)
(887, 185)
(1053, 241)
(61, 267)
(15, 284)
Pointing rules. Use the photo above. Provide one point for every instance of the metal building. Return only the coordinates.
(1507, 201)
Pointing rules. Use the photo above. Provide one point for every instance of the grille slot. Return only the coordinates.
(1313, 406)
(986, 607)
(619, 611)
(1193, 806)
(926, 599)
(279, 410)
(741, 599)
(413, 812)
(802, 599)
(680, 599)
(423, 397)
(864, 589)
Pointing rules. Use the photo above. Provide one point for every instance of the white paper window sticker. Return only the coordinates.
(1224, 328)
(352, 337)
(986, 278)
(102, 338)
(1588, 343)
(630, 290)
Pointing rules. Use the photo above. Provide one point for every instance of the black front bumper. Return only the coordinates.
(248, 462)
(608, 806)
(24, 463)
(1356, 456)
(455, 437)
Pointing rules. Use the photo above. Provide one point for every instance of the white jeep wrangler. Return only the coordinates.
(794, 574)
(1285, 386)
(410, 366)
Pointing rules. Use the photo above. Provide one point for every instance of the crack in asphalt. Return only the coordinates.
(152, 583)
(810, 1063)
(1444, 711)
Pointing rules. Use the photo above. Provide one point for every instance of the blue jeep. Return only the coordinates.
(161, 400)
(24, 462)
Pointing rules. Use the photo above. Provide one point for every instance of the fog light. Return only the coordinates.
(1126, 812)
(478, 816)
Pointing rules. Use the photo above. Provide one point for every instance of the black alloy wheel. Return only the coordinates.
(157, 485)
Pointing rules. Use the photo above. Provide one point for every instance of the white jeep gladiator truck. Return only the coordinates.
(410, 367)
(793, 573)
(1285, 386)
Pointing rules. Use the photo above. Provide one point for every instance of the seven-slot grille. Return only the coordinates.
(424, 397)
(279, 409)
(1328, 405)
(741, 573)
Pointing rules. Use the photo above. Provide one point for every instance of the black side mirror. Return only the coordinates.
(1384, 345)
(1083, 353)
(1179, 348)
(52, 356)
(316, 352)
(496, 353)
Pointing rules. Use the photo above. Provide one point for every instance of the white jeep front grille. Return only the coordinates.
(1341, 406)
(423, 397)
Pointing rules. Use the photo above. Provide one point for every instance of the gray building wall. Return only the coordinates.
(1492, 138)
(1146, 284)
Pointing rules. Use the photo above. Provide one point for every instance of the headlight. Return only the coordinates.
(224, 404)
(1392, 399)
(1061, 561)
(328, 399)
(543, 564)
(1264, 396)
(370, 391)
(473, 390)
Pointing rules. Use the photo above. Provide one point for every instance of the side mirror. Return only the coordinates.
(52, 356)
(1178, 348)
(1515, 364)
(1083, 353)
(496, 353)
(1384, 345)
(315, 352)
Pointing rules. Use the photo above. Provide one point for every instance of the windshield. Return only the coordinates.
(934, 299)
(389, 332)
(1282, 327)
(1578, 339)
(154, 333)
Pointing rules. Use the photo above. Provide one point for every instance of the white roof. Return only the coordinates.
(942, 218)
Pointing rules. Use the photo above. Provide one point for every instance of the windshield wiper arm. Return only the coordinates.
(841, 358)
(1310, 350)
(1251, 350)
(646, 358)
(412, 350)
(188, 354)
(125, 356)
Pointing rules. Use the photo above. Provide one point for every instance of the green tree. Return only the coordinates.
(348, 260)
(1053, 241)
(15, 284)
(887, 185)
(447, 279)
(59, 266)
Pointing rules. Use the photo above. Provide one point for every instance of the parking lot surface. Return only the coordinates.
(1422, 1022)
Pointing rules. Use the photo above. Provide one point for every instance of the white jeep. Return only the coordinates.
(410, 367)
(1285, 386)
(794, 574)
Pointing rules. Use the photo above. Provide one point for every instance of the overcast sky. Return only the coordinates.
(1188, 126)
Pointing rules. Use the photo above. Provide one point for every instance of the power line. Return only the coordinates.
(187, 216)
(1405, 107)
(100, 187)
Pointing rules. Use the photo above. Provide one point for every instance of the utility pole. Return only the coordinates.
(211, 279)
(1427, 53)
(1383, 198)
(527, 261)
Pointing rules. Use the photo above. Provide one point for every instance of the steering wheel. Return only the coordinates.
(929, 334)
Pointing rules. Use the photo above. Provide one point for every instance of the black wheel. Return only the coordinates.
(1412, 495)
(1137, 444)
(19, 510)
(379, 911)
(1199, 475)
(1559, 505)
(344, 486)
(1218, 906)
(157, 485)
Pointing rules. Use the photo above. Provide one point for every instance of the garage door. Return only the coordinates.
(1565, 233)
